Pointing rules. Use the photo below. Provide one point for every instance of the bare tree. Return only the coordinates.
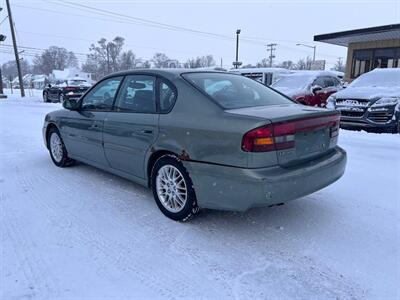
(303, 64)
(287, 64)
(200, 62)
(264, 63)
(340, 65)
(104, 57)
(160, 60)
(127, 60)
(9, 69)
(54, 58)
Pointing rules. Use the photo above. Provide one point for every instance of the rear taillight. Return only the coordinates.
(334, 129)
(69, 88)
(259, 140)
(280, 136)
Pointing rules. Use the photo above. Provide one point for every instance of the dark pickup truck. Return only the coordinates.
(71, 89)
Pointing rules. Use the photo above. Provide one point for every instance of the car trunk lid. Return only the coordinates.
(77, 89)
(299, 133)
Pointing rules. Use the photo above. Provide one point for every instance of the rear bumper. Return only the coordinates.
(230, 188)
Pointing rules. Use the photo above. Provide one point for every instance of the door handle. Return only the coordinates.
(142, 132)
(93, 126)
(146, 131)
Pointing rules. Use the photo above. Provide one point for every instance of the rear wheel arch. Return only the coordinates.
(152, 160)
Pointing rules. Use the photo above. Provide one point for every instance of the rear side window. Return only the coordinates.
(167, 96)
(137, 94)
(235, 91)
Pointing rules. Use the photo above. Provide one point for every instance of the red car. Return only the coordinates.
(311, 88)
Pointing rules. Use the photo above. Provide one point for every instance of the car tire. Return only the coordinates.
(173, 189)
(61, 98)
(57, 150)
(45, 97)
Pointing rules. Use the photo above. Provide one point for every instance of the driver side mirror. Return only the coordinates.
(71, 104)
(49, 85)
(315, 89)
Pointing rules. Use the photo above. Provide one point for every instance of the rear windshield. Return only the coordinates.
(235, 91)
(294, 81)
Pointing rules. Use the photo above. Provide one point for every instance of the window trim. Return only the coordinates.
(94, 86)
(161, 80)
(158, 80)
(114, 107)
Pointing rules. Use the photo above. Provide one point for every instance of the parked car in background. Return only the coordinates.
(372, 101)
(266, 76)
(71, 89)
(198, 143)
(309, 87)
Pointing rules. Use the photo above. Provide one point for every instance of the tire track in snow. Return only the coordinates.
(35, 268)
(164, 280)
(293, 277)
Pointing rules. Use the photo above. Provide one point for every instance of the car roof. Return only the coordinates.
(170, 73)
(260, 70)
(312, 73)
(385, 70)
(76, 78)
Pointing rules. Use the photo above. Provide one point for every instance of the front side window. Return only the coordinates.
(101, 97)
(235, 91)
(320, 81)
(137, 94)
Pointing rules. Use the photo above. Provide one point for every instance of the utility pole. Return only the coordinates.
(271, 48)
(2, 39)
(17, 60)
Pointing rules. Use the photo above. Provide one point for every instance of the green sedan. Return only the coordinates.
(199, 139)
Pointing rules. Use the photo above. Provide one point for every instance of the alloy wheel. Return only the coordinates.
(171, 188)
(56, 147)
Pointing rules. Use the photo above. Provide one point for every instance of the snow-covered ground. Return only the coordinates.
(80, 233)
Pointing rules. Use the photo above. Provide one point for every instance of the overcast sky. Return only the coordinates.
(42, 23)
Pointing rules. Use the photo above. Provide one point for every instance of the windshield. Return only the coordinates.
(77, 82)
(294, 81)
(377, 79)
(235, 91)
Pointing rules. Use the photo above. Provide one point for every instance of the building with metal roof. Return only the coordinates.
(367, 48)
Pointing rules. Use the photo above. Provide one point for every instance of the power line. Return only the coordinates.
(124, 19)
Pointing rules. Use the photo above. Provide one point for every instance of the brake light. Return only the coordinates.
(259, 140)
(334, 130)
(280, 136)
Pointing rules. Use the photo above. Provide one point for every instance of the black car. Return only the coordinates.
(71, 89)
(371, 102)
